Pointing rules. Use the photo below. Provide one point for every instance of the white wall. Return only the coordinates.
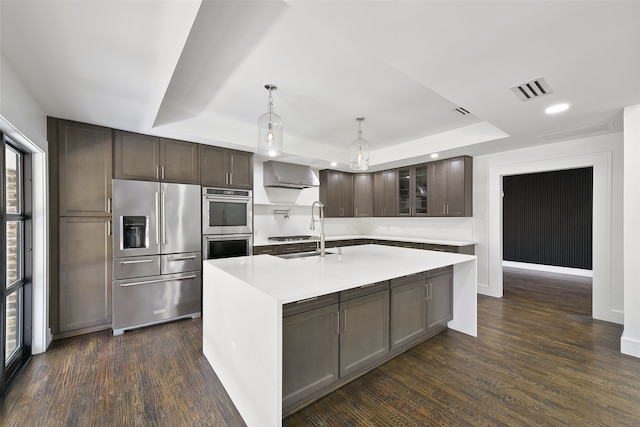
(605, 154)
(630, 341)
(25, 122)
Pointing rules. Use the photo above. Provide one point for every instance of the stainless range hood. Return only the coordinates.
(288, 175)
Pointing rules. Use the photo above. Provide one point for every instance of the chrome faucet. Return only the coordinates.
(313, 225)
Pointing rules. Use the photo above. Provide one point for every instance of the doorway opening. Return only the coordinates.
(547, 226)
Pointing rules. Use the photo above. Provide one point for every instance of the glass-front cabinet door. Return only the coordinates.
(420, 191)
(412, 191)
(404, 191)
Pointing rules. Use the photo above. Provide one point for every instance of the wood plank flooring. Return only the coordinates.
(539, 359)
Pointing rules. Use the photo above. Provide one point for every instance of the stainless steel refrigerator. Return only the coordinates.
(157, 260)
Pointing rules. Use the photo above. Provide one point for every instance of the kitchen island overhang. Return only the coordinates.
(242, 310)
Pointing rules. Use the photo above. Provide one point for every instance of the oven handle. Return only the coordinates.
(246, 200)
(227, 236)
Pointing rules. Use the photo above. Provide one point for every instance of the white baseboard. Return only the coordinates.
(549, 268)
(630, 346)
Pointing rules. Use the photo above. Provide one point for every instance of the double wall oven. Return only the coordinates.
(227, 223)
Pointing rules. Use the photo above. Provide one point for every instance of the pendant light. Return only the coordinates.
(359, 159)
(270, 129)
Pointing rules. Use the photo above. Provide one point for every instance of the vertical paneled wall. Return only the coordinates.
(548, 218)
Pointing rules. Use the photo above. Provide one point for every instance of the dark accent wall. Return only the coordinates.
(547, 218)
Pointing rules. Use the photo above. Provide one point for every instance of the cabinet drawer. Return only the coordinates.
(177, 263)
(265, 250)
(309, 246)
(149, 300)
(412, 245)
(438, 271)
(308, 304)
(364, 290)
(417, 277)
(136, 266)
(289, 249)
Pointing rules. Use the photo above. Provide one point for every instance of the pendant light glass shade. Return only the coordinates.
(359, 157)
(270, 129)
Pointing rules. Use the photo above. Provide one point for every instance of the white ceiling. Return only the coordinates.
(196, 71)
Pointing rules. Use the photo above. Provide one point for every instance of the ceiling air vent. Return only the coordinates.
(462, 111)
(532, 89)
(578, 133)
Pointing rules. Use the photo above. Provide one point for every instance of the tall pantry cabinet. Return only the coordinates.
(80, 172)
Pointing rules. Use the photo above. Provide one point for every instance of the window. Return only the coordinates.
(15, 248)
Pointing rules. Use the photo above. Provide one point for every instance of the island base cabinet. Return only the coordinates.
(364, 332)
(440, 299)
(408, 310)
(309, 354)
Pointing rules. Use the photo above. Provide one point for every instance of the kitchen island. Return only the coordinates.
(243, 300)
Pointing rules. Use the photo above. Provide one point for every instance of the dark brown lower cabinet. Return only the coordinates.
(440, 299)
(85, 275)
(408, 310)
(364, 327)
(330, 340)
(309, 350)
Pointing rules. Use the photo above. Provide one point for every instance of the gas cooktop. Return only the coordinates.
(292, 238)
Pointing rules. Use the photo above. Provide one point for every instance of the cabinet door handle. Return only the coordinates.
(382, 211)
(426, 290)
(344, 320)
(337, 330)
(109, 205)
(356, 211)
(108, 228)
(157, 171)
(162, 171)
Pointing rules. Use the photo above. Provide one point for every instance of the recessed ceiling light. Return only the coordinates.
(334, 164)
(434, 155)
(558, 108)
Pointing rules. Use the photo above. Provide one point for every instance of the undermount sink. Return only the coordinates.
(302, 255)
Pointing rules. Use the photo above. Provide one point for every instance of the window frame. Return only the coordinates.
(22, 287)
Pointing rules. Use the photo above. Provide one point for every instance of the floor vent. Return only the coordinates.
(532, 89)
(462, 111)
(575, 133)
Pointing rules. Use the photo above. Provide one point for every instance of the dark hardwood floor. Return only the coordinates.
(539, 359)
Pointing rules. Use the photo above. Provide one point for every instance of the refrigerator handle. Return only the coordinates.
(157, 218)
(164, 219)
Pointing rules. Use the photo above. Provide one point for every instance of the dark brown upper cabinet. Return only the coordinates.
(363, 194)
(412, 191)
(149, 158)
(450, 187)
(84, 169)
(221, 167)
(336, 193)
(385, 193)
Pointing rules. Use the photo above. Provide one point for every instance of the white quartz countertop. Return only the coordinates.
(263, 241)
(288, 280)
